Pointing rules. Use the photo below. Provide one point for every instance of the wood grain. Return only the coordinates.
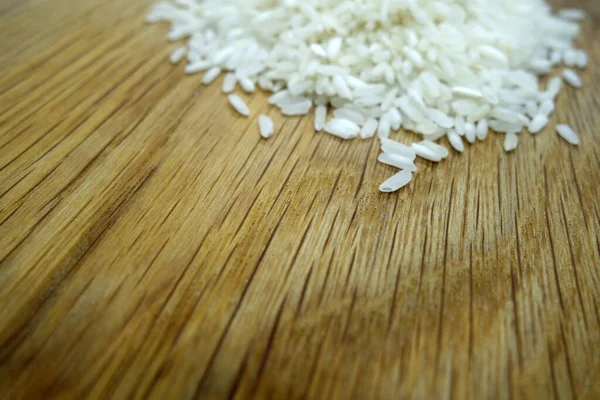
(152, 245)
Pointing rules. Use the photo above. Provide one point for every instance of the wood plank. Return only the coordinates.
(153, 245)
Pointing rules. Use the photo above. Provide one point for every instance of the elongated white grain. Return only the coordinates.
(350, 114)
(279, 97)
(436, 148)
(467, 91)
(394, 147)
(572, 78)
(538, 123)
(342, 128)
(334, 47)
(459, 125)
(177, 55)
(440, 118)
(470, 132)
(229, 83)
(504, 127)
(239, 105)
(494, 55)
(396, 182)
(196, 67)
(541, 66)
(210, 75)
(369, 128)
(426, 153)
(582, 59)
(247, 85)
(531, 108)
(389, 99)
(456, 141)
(567, 133)
(482, 129)
(505, 115)
(341, 87)
(554, 86)
(384, 128)
(572, 14)
(510, 141)
(397, 161)
(546, 108)
(570, 57)
(394, 117)
(265, 125)
(318, 50)
(296, 109)
(320, 117)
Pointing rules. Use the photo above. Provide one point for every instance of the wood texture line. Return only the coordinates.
(153, 245)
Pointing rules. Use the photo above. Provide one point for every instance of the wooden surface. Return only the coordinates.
(152, 245)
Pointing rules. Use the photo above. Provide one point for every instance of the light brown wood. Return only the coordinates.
(153, 245)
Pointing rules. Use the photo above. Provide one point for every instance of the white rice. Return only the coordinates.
(466, 91)
(426, 153)
(178, 54)
(571, 57)
(352, 115)
(320, 117)
(239, 105)
(572, 78)
(531, 108)
(538, 123)
(567, 133)
(396, 182)
(546, 108)
(342, 128)
(394, 147)
(341, 87)
(397, 161)
(369, 128)
(572, 14)
(436, 148)
(510, 141)
(384, 128)
(470, 132)
(334, 47)
(482, 129)
(459, 125)
(229, 83)
(211, 75)
(297, 108)
(247, 85)
(395, 118)
(553, 87)
(456, 141)
(432, 67)
(196, 67)
(582, 59)
(279, 97)
(265, 126)
(440, 118)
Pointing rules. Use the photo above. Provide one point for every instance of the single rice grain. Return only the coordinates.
(567, 133)
(239, 105)
(396, 182)
(265, 125)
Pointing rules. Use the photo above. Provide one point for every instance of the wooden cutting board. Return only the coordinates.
(153, 245)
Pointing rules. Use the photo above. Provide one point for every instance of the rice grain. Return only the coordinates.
(567, 133)
(396, 182)
(239, 105)
(265, 126)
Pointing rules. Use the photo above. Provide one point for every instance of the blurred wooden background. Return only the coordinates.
(152, 245)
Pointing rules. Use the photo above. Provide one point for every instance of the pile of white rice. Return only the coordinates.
(455, 68)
